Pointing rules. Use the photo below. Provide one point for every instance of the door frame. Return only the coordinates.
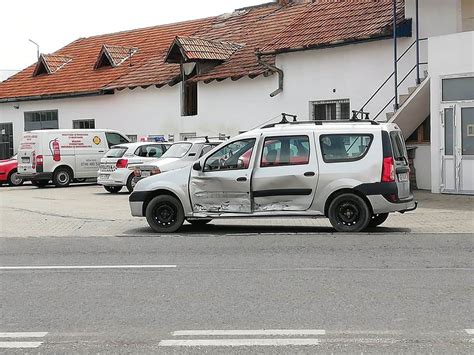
(457, 146)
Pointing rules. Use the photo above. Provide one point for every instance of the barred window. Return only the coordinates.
(83, 124)
(37, 120)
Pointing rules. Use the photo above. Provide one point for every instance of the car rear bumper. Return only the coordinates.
(116, 178)
(381, 205)
(35, 176)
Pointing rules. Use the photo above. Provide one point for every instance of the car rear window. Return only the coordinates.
(177, 150)
(116, 152)
(399, 150)
(338, 148)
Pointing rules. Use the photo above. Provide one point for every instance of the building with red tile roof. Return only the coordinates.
(221, 75)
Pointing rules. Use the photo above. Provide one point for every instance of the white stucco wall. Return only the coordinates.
(348, 72)
(448, 55)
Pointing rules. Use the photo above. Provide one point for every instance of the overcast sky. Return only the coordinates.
(55, 23)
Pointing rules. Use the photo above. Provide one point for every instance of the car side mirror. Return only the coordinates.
(197, 166)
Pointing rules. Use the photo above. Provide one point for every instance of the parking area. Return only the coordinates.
(87, 210)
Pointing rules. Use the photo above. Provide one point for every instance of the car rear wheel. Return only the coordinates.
(199, 222)
(349, 213)
(130, 184)
(62, 177)
(165, 214)
(14, 179)
(113, 189)
(378, 219)
(39, 183)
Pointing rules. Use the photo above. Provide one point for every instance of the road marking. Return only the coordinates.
(249, 332)
(23, 335)
(19, 344)
(469, 331)
(240, 342)
(86, 267)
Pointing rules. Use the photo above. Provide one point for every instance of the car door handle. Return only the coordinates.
(309, 173)
(241, 179)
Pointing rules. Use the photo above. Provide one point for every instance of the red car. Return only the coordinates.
(8, 172)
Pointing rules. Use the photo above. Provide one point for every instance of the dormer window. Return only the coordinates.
(196, 56)
(113, 56)
(50, 63)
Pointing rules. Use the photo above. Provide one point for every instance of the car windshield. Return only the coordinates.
(116, 152)
(177, 150)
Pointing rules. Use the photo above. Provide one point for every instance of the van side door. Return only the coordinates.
(286, 173)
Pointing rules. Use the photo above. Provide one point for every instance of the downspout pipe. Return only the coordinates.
(274, 69)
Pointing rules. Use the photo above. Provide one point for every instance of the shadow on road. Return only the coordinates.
(227, 229)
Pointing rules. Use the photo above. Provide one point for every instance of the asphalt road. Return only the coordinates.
(258, 293)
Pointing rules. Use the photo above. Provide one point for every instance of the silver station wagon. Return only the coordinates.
(353, 172)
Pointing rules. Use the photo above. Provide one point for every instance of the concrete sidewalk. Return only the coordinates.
(88, 210)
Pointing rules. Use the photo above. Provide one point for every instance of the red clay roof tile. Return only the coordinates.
(268, 28)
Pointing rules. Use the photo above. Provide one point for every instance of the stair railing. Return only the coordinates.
(361, 114)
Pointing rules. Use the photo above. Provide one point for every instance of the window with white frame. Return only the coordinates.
(329, 110)
(83, 124)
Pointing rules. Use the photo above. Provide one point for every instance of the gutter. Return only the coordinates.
(273, 69)
(56, 96)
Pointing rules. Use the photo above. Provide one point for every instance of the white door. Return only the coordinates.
(457, 151)
(465, 149)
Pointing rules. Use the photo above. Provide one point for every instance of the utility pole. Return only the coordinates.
(395, 52)
(37, 48)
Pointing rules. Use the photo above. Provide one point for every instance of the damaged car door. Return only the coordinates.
(222, 184)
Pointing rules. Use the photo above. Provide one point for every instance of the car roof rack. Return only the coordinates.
(206, 138)
(317, 123)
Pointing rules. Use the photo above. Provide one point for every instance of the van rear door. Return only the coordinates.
(402, 168)
(27, 152)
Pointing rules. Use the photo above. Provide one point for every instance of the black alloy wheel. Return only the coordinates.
(349, 213)
(165, 214)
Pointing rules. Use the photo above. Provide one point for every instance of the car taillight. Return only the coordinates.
(121, 163)
(388, 170)
(155, 171)
(39, 160)
(137, 172)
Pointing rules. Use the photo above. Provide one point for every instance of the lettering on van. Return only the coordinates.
(76, 140)
(90, 163)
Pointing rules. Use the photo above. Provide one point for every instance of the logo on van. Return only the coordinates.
(96, 140)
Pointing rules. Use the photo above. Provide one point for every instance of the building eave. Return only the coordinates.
(56, 96)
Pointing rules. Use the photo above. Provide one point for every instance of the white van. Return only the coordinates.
(64, 155)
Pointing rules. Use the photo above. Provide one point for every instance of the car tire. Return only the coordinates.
(13, 179)
(62, 177)
(349, 213)
(377, 219)
(130, 183)
(39, 183)
(165, 214)
(199, 222)
(113, 189)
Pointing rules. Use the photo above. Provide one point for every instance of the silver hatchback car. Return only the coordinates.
(353, 172)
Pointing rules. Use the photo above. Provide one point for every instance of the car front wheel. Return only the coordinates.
(165, 214)
(62, 177)
(14, 179)
(349, 213)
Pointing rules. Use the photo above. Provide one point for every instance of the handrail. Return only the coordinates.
(361, 111)
(401, 82)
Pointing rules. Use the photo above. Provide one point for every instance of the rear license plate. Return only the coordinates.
(104, 176)
(146, 173)
(25, 159)
(403, 177)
